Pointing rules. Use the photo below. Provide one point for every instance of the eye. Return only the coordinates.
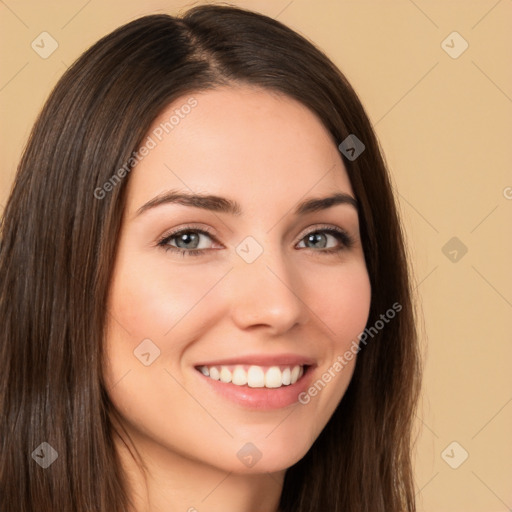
(328, 240)
(187, 241)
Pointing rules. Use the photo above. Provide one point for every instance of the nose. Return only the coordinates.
(266, 293)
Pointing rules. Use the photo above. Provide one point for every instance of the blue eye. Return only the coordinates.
(320, 239)
(188, 241)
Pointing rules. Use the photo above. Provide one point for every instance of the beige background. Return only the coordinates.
(445, 126)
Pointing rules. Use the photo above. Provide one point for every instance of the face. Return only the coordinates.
(225, 310)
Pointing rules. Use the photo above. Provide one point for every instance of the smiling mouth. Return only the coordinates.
(254, 376)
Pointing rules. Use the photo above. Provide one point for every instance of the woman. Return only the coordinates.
(275, 370)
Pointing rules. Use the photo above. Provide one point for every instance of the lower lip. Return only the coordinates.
(261, 398)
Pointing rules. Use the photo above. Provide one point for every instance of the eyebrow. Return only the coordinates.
(223, 205)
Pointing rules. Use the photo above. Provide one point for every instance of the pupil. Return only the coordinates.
(314, 238)
(187, 238)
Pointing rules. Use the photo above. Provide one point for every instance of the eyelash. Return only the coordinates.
(340, 234)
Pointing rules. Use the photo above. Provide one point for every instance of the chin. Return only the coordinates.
(270, 455)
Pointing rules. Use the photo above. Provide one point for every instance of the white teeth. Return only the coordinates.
(239, 376)
(255, 376)
(295, 374)
(273, 378)
(225, 374)
(214, 373)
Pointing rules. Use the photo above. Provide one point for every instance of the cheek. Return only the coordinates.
(152, 301)
(341, 300)
(149, 300)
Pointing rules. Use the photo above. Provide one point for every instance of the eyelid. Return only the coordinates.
(205, 230)
(323, 227)
(188, 227)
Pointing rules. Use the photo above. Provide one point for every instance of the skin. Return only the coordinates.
(268, 152)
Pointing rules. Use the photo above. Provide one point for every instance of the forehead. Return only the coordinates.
(245, 142)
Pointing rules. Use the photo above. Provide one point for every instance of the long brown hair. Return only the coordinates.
(57, 247)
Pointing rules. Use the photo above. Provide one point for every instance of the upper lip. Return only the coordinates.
(263, 360)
